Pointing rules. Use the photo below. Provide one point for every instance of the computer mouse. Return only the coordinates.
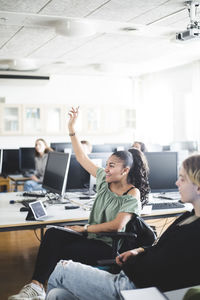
(24, 209)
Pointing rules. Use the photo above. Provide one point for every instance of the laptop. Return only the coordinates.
(38, 210)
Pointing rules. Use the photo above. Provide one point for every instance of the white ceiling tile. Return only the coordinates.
(161, 10)
(31, 6)
(72, 8)
(58, 47)
(126, 10)
(6, 33)
(26, 41)
(27, 29)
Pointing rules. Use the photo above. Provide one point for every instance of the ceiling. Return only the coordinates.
(125, 37)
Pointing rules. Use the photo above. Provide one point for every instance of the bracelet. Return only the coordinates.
(72, 134)
(86, 227)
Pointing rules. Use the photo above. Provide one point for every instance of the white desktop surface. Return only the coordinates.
(10, 215)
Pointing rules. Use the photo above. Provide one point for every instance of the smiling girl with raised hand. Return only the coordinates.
(122, 188)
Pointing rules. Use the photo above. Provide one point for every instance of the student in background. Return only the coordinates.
(139, 145)
(41, 154)
(172, 263)
(122, 188)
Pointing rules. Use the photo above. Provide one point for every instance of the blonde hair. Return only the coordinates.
(192, 167)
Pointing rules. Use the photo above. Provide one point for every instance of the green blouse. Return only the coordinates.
(107, 205)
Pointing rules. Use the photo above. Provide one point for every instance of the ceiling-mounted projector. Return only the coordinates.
(193, 28)
(188, 34)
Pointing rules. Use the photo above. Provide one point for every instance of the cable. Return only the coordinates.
(37, 235)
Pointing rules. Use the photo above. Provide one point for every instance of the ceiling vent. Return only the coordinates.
(23, 80)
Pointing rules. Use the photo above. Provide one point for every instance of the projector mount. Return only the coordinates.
(193, 28)
(192, 10)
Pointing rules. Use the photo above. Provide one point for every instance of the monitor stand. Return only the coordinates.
(92, 186)
(59, 200)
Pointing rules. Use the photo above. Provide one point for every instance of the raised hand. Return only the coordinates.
(73, 113)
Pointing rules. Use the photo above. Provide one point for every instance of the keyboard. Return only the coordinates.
(34, 194)
(167, 205)
(168, 195)
(26, 202)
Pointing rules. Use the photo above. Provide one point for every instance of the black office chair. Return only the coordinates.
(138, 233)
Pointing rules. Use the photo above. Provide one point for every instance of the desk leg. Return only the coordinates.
(15, 189)
(41, 233)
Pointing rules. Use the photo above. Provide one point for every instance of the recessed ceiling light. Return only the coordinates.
(127, 29)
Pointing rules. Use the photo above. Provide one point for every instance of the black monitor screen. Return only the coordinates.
(60, 147)
(56, 172)
(10, 161)
(78, 177)
(27, 159)
(163, 171)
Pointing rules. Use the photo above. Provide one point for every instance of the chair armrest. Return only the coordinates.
(106, 262)
(117, 235)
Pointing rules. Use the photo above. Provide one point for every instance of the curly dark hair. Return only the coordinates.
(139, 170)
(139, 174)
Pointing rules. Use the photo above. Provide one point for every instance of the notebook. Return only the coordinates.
(143, 294)
(65, 229)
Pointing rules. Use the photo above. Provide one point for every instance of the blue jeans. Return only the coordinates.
(31, 185)
(72, 281)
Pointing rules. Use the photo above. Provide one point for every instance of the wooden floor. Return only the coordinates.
(18, 250)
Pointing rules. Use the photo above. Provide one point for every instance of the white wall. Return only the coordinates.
(108, 91)
(168, 105)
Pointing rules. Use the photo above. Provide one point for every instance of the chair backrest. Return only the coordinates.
(144, 234)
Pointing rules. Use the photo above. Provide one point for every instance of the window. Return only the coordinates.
(32, 119)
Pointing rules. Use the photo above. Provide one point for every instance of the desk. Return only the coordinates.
(12, 219)
(5, 182)
(18, 180)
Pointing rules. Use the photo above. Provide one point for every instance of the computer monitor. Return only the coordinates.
(103, 156)
(163, 168)
(100, 160)
(78, 177)
(1, 156)
(27, 159)
(191, 146)
(102, 148)
(56, 172)
(120, 146)
(60, 147)
(10, 161)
